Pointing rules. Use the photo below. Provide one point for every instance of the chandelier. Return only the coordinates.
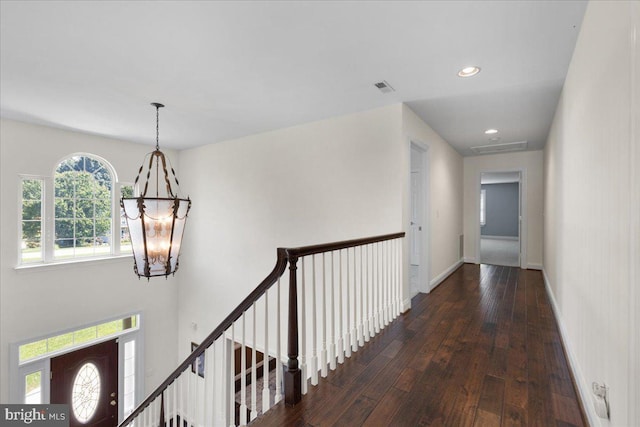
(156, 224)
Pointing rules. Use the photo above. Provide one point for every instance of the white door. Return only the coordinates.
(416, 237)
(416, 225)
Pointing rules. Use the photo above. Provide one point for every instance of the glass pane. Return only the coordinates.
(64, 248)
(59, 342)
(31, 250)
(65, 209)
(84, 208)
(64, 184)
(33, 388)
(32, 231)
(33, 350)
(126, 191)
(31, 210)
(84, 228)
(109, 328)
(103, 227)
(84, 335)
(102, 208)
(85, 392)
(32, 189)
(72, 164)
(64, 229)
(85, 186)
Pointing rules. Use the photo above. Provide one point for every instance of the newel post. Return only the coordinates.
(292, 374)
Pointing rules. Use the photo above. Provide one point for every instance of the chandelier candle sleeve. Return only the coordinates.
(156, 224)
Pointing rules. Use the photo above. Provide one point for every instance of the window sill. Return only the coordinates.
(55, 265)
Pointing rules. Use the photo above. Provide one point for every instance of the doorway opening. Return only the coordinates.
(419, 220)
(500, 218)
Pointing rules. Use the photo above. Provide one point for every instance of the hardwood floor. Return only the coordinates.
(482, 349)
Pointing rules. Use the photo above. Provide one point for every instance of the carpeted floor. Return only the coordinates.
(500, 252)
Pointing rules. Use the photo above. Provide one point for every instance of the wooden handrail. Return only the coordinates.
(284, 256)
(281, 265)
(329, 247)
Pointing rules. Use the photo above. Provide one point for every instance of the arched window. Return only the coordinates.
(83, 188)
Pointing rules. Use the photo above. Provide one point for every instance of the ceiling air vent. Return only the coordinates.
(384, 87)
(499, 148)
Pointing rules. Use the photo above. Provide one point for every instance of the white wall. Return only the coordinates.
(445, 195)
(592, 192)
(531, 163)
(42, 301)
(320, 182)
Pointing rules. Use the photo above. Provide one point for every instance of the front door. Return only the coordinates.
(87, 380)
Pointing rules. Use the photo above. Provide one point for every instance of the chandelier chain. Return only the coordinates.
(157, 127)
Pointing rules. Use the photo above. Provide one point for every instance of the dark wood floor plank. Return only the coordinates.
(491, 396)
(357, 413)
(481, 349)
(386, 408)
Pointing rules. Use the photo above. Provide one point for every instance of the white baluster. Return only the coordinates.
(303, 331)
(254, 370)
(243, 376)
(332, 339)
(340, 339)
(323, 351)
(385, 264)
(181, 393)
(347, 338)
(174, 401)
(377, 289)
(232, 379)
(209, 381)
(392, 279)
(380, 287)
(361, 300)
(266, 394)
(196, 399)
(314, 337)
(354, 325)
(392, 276)
(145, 417)
(399, 275)
(371, 290)
(278, 396)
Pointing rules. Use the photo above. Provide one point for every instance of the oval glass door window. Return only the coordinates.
(85, 392)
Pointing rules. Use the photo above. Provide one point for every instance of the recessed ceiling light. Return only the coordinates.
(468, 71)
(491, 131)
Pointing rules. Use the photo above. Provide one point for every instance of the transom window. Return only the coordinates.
(74, 214)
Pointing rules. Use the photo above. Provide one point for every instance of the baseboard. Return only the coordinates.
(442, 276)
(584, 390)
(499, 237)
(470, 260)
(534, 266)
(406, 305)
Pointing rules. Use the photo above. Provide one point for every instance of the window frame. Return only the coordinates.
(48, 218)
(43, 230)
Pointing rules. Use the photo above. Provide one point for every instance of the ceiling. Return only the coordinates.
(230, 69)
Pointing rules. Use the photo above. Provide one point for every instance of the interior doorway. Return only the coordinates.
(87, 380)
(500, 218)
(419, 230)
